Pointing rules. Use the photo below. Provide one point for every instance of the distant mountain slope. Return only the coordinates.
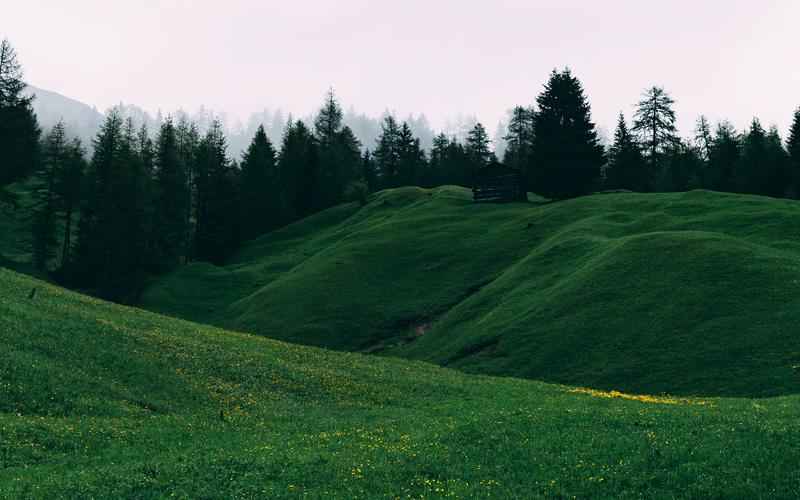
(107, 402)
(81, 120)
(687, 293)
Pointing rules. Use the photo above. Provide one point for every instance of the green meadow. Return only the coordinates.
(104, 401)
(692, 293)
(614, 346)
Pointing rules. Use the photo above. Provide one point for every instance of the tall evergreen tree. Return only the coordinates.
(172, 197)
(655, 124)
(387, 153)
(703, 137)
(218, 210)
(752, 171)
(411, 157)
(298, 167)
(778, 182)
(19, 130)
(112, 232)
(567, 153)
(626, 167)
(188, 140)
(69, 187)
(478, 148)
(339, 154)
(723, 158)
(793, 148)
(519, 142)
(369, 171)
(261, 199)
(44, 219)
(437, 166)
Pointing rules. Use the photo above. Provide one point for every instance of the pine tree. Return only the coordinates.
(69, 183)
(723, 158)
(188, 139)
(437, 166)
(387, 153)
(172, 197)
(626, 167)
(369, 171)
(778, 181)
(567, 153)
(519, 142)
(298, 167)
(702, 137)
(655, 124)
(44, 218)
(478, 148)
(19, 130)
(261, 202)
(793, 148)
(111, 255)
(218, 208)
(339, 155)
(411, 157)
(751, 170)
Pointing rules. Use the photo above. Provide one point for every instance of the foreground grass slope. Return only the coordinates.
(103, 401)
(687, 293)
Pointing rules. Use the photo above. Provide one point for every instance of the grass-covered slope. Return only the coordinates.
(102, 401)
(685, 293)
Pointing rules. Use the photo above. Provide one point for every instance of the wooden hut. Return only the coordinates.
(498, 183)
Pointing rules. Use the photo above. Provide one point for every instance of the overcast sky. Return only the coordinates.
(725, 58)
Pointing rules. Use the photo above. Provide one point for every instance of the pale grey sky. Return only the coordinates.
(725, 58)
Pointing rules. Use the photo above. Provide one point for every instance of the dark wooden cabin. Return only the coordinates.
(498, 183)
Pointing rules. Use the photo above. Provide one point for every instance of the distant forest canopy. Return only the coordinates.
(154, 194)
(83, 121)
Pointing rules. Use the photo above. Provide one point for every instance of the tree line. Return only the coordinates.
(146, 202)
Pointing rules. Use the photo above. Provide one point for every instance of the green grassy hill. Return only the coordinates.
(104, 401)
(684, 293)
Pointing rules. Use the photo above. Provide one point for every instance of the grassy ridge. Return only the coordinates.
(686, 293)
(103, 401)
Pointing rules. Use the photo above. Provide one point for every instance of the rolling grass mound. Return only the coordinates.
(103, 401)
(683, 293)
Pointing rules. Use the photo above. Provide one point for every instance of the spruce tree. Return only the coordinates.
(411, 157)
(478, 148)
(111, 255)
(339, 154)
(188, 139)
(437, 166)
(387, 153)
(752, 170)
(69, 184)
(369, 171)
(778, 182)
(702, 137)
(626, 168)
(655, 124)
(44, 218)
(793, 148)
(261, 202)
(19, 129)
(723, 158)
(567, 153)
(172, 197)
(298, 167)
(218, 209)
(519, 142)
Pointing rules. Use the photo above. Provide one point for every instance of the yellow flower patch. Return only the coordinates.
(644, 398)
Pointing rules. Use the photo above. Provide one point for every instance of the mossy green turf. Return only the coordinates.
(692, 293)
(103, 401)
